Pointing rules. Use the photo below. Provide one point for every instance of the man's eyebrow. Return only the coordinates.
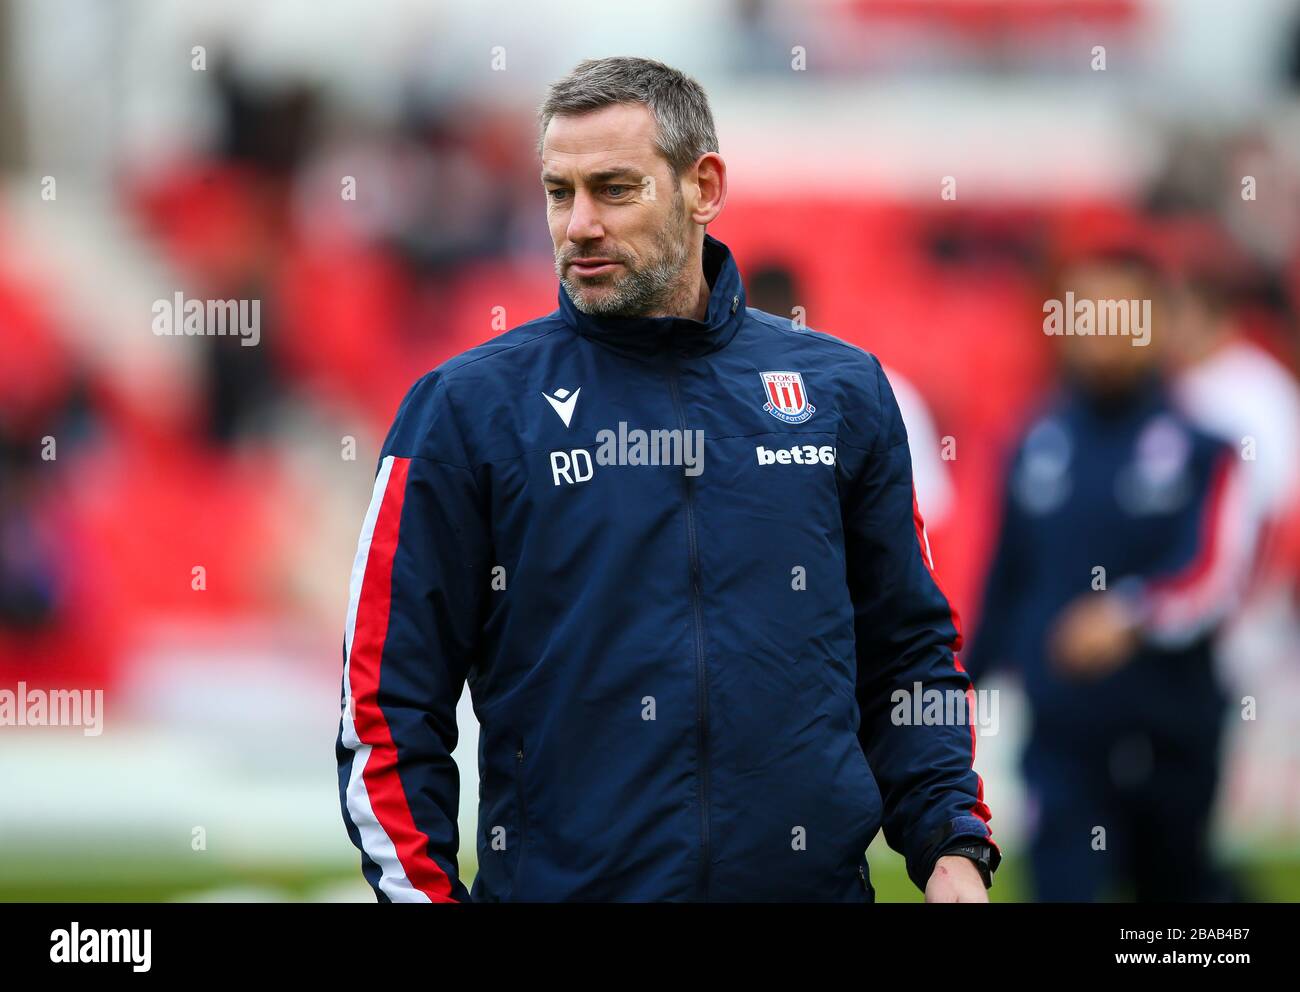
(613, 172)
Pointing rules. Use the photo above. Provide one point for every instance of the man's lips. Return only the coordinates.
(592, 266)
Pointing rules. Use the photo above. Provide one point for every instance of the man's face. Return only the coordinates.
(1109, 362)
(617, 215)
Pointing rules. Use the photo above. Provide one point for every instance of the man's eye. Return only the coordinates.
(556, 194)
(616, 190)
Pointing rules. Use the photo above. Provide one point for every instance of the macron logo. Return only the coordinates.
(563, 403)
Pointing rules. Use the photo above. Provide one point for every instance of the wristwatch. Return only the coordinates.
(981, 852)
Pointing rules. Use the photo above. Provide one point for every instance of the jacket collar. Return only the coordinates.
(1144, 398)
(681, 336)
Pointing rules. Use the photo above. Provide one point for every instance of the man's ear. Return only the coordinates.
(709, 176)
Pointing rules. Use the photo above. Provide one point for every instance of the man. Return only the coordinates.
(1125, 538)
(683, 654)
(1234, 388)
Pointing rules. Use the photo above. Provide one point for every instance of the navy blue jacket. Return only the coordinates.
(683, 672)
(1134, 489)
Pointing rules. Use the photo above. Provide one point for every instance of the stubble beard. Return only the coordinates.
(645, 288)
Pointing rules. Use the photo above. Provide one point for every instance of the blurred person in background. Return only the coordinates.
(1235, 388)
(50, 619)
(1125, 536)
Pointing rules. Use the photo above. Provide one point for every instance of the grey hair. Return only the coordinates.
(680, 108)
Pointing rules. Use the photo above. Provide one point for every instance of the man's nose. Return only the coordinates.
(584, 220)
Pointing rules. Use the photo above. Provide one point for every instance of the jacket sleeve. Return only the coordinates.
(906, 634)
(414, 609)
(1204, 573)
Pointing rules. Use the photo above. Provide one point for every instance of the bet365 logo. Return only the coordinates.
(796, 454)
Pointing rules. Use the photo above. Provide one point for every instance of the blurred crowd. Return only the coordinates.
(362, 294)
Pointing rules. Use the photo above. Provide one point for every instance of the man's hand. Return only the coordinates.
(955, 879)
(1094, 635)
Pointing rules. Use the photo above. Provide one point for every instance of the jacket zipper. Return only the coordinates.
(523, 811)
(701, 682)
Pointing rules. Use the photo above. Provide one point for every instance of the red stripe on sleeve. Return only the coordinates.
(979, 808)
(1210, 531)
(383, 785)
